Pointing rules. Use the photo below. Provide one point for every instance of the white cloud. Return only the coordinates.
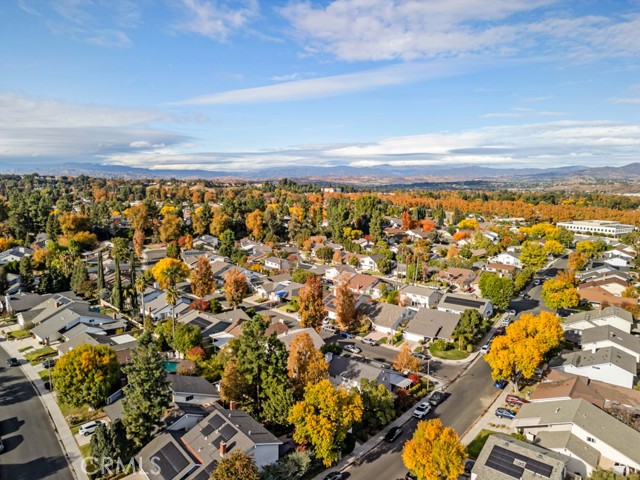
(362, 30)
(216, 19)
(626, 101)
(332, 85)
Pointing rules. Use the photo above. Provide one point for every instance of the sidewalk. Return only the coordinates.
(60, 426)
(488, 420)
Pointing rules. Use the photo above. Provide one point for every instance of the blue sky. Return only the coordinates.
(248, 84)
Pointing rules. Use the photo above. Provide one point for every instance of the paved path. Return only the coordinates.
(60, 426)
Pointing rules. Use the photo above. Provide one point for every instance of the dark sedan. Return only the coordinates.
(13, 362)
(392, 434)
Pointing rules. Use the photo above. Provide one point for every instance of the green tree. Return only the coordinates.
(227, 243)
(86, 375)
(147, 395)
(116, 292)
(293, 466)
(173, 250)
(532, 254)
(468, 327)
(120, 249)
(497, 289)
(132, 283)
(4, 282)
(80, 278)
(377, 403)
(186, 337)
(324, 417)
(26, 272)
(101, 284)
(237, 465)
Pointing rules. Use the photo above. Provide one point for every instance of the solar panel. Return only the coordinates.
(503, 461)
(176, 457)
(465, 302)
(217, 441)
(228, 432)
(170, 461)
(200, 322)
(216, 421)
(207, 430)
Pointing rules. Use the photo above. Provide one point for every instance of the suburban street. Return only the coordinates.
(32, 451)
(469, 398)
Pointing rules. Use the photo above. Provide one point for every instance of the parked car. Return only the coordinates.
(352, 348)
(345, 334)
(421, 356)
(370, 341)
(329, 328)
(89, 427)
(386, 366)
(506, 321)
(500, 384)
(468, 466)
(505, 413)
(485, 348)
(537, 282)
(49, 363)
(13, 362)
(500, 331)
(335, 476)
(527, 296)
(410, 476)
(437, 398)
(514, 400)
(512, 312)
(392, 434)
(421, 410)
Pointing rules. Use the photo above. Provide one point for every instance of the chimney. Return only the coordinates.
(593, 349)
(232, 405)
(223, 448)
(113, 315)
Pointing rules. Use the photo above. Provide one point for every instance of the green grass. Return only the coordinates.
(85, 450)
(19, 334)
(453, 354)
(475, 447)
(39, 354)
(44, 375)
(24, 349)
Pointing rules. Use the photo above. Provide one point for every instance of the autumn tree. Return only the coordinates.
(324, 417)
(561, 292)
(407, 221)
(235, 287)
(406, 361)
(312, 310)
(345, 307)
(434, 452)
(306, 365)
(532, 254)
(254, 224)
(169, 271)
(235, 466)
(219, 223)
(72, 223)
(138, 216)
(469, 224)
(85, 375)
(138, 242)
(524, 346)
(577, 261)
(170, 228)
(202, 281)
(553, 247)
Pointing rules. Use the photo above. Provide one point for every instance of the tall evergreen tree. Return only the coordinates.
(52, 229)
(100, 273)
(26, 272)
(116, 293)
(147, 395)
(79, 278)
(132, 285)
(4, 283)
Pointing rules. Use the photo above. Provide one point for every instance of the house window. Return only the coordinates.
(188, 398)
(591, 440)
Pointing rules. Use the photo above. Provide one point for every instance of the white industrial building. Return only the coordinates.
(603, 227)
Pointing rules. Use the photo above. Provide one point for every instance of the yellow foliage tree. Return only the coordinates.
(435, 452)
(219, 223)
(553, 247)
(70, 223)
(306, 364)
(524, 346)
(138, 216)
(86, 240)
(170, 228)
(169, 271)
(254, 224)
(405, 361)
(561, 292)
(469, 224)
(6, 243)
(324, 417)
(168, 210)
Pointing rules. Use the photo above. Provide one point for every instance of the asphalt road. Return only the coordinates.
(32, 451)
(468, 399)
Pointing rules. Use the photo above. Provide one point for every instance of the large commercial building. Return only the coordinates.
(602, 227)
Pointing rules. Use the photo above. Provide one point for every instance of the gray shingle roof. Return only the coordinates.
(433, 324)
(612, 334)
(602, 356)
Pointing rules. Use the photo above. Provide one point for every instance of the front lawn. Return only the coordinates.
(453, 354)
(475, 447)
(19, 334)
(39, 354)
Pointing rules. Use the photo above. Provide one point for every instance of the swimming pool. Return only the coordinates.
(171, 366)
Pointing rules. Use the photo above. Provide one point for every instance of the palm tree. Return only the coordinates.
(172, 298)
(141, 286)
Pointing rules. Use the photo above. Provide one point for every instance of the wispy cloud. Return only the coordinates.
(354, 30)
(626, 101)
(216, 19)
(334, 85)
(522, 112)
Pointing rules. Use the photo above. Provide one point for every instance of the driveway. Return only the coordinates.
(32, 451)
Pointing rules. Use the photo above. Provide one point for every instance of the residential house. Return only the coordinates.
(208, 323)
(501, 269)
(609, 336)
(191, 257)
(385, 317)
(329, 302)
(493, 236)
(394, 222)
(508, 258)
(460, 277)
(21, 302)
(188, 389)
(194, 455)
(151, 256)
(607, 364)
(505, 458)
(598, 296)
(454, 303)
(580, 430)
(613, 316)
(362, 283)
(15, 254)
(159, 309)
(289, 336)
(419, 296)
(333, 272)
(347, 372)
(416, 234)
(612, 285)
(234, 318)
(429, 325)
(558, 385)
(369, 263)
(276, 263)
(206, 242)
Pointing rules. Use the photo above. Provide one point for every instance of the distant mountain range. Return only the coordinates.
(379, 175)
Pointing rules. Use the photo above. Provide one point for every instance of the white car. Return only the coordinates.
(421, 410)
(89, 427)
(352, 349)
(485, 348)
